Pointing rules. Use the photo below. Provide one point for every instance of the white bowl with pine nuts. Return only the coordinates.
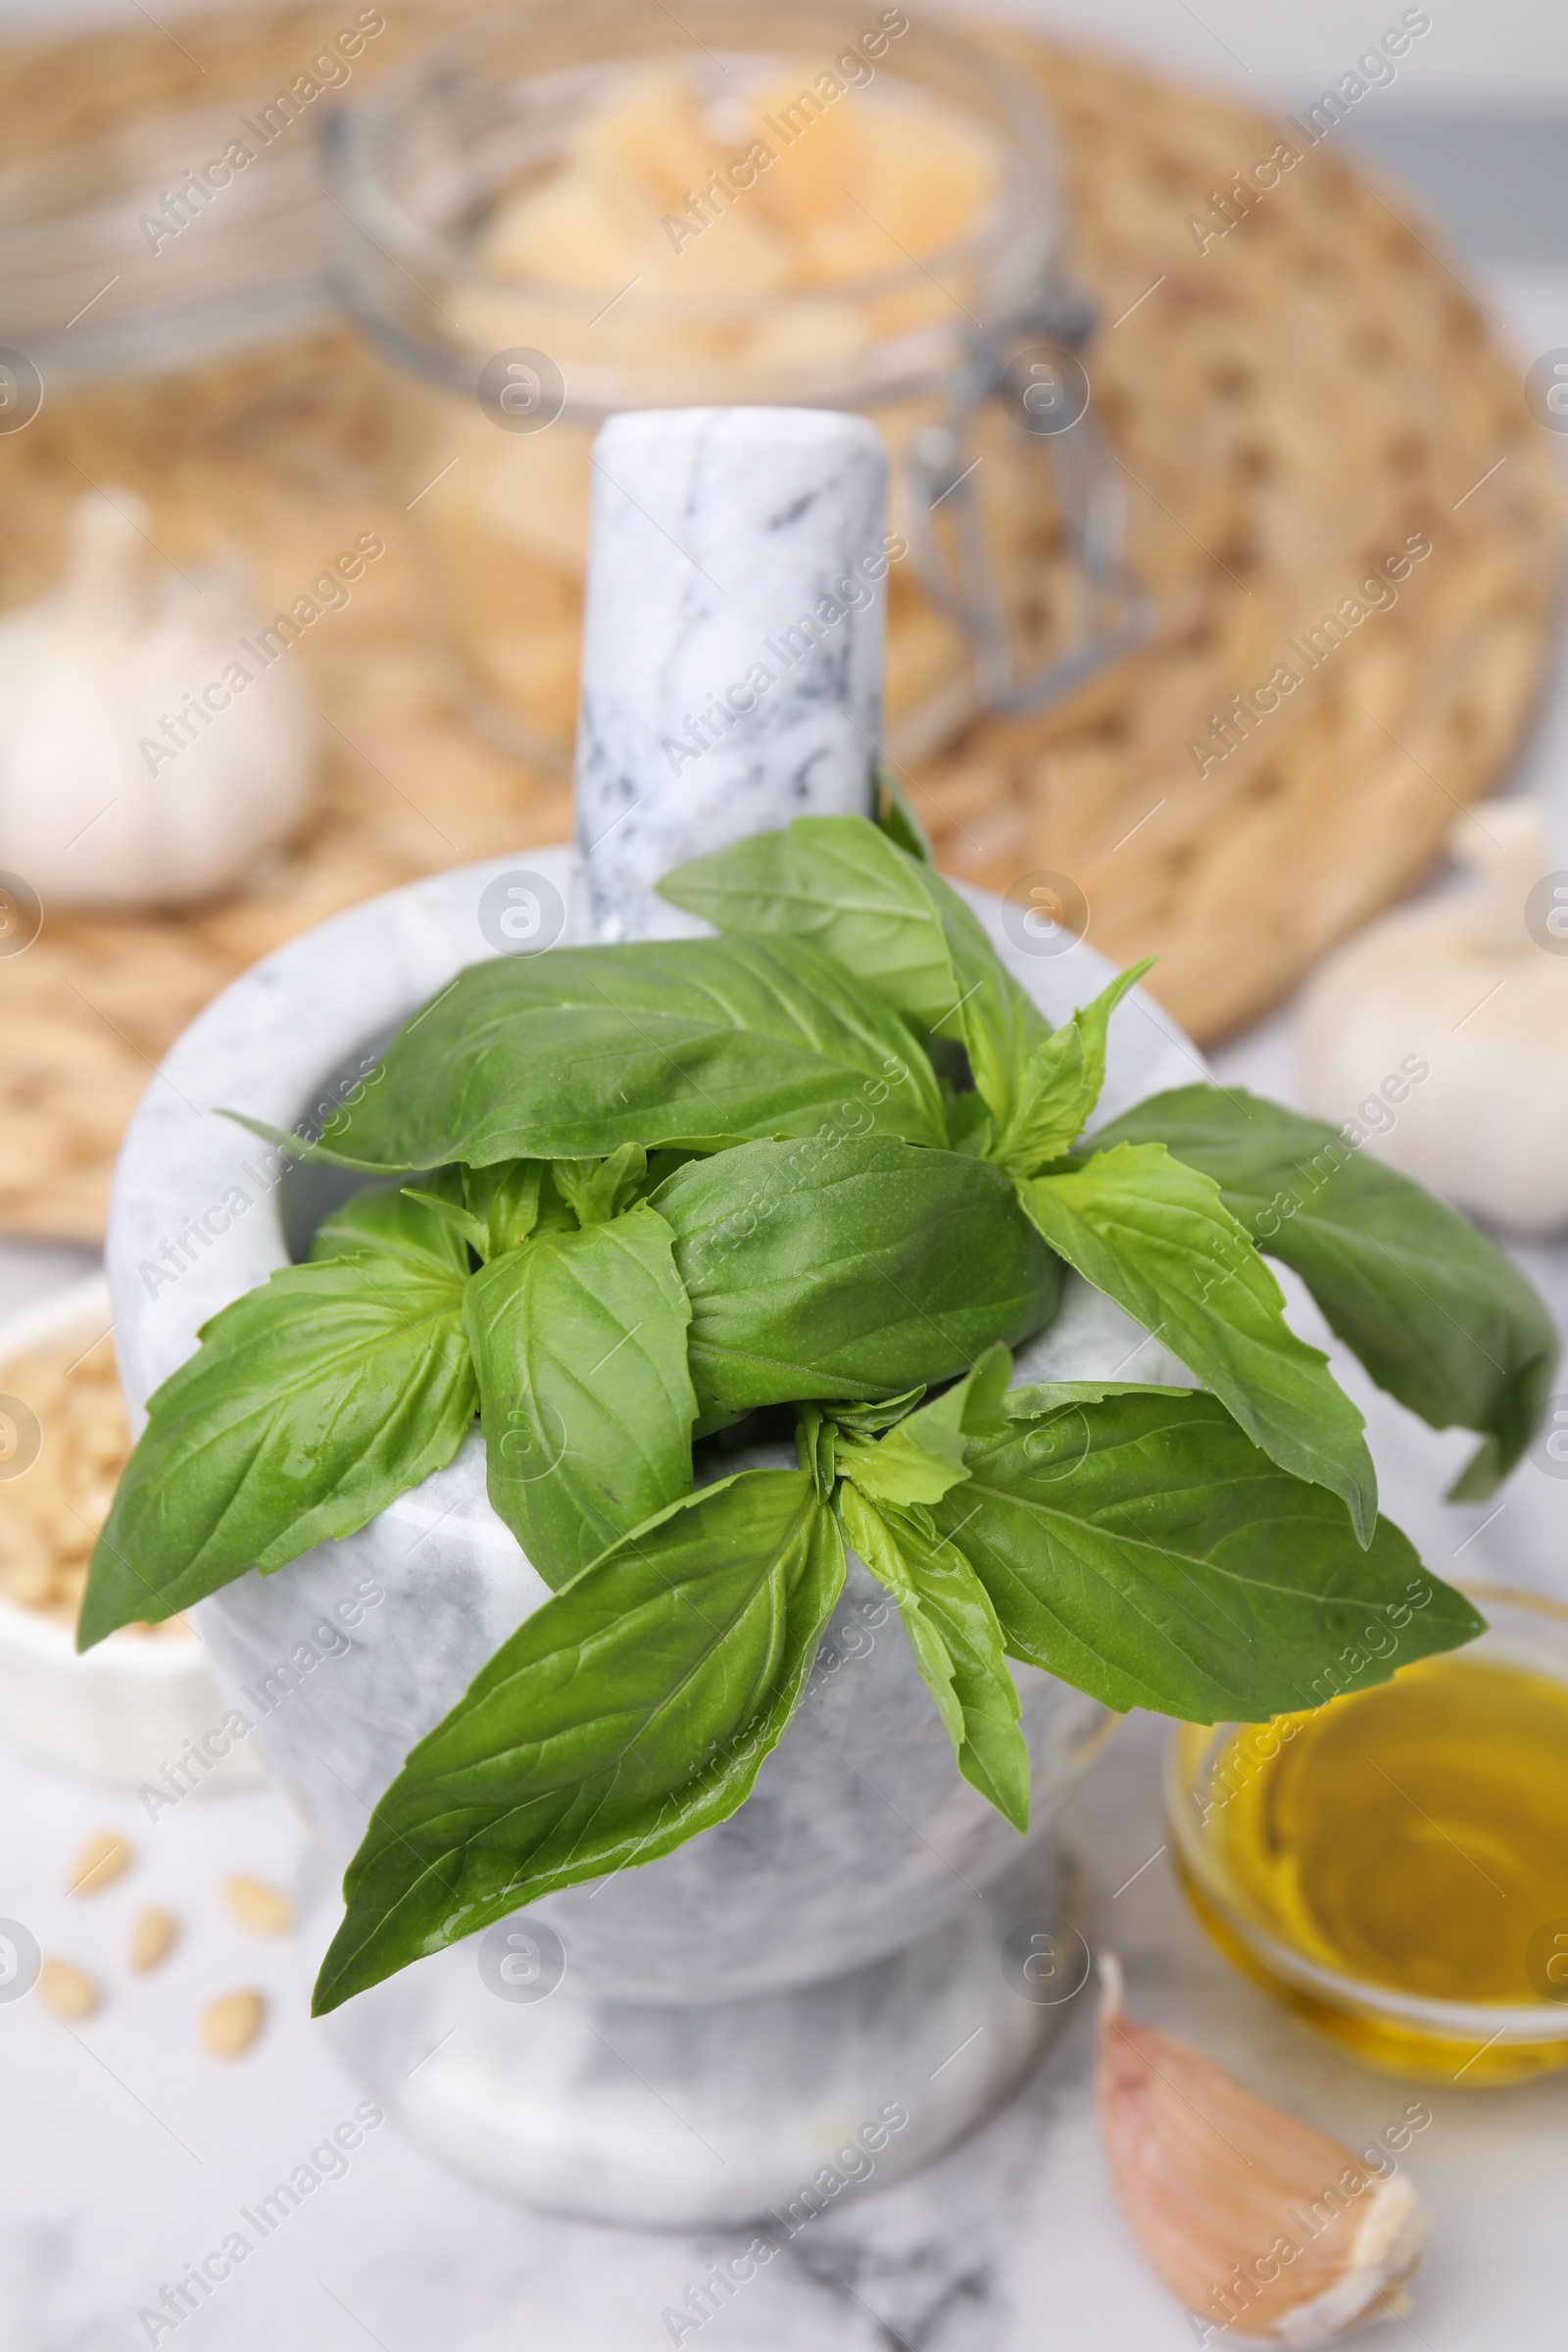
(133, 1709)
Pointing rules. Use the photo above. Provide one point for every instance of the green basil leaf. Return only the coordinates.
(597, 1189)
(311, 1405)
(628, 1713)
(510, 1199)
(895, 814)
(690, 1042)
(493, 1208)
(817, 1447)
(856, 1269)
(1063, 1083)
(579, 1343)
(1141, 1547)
(1153, 1235)
(957, 1645)
(1441, 1318)
(842, 884)
(869, 1420)
(918, 1460)
(460, 1220)
(383, 1229)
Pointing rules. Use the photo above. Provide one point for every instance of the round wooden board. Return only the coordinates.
(1290, 402)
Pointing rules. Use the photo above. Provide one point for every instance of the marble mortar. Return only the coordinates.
(822, 1943)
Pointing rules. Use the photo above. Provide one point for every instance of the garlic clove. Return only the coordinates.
(1266, 2230)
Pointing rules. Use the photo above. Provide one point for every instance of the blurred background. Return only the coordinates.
(1233, 634)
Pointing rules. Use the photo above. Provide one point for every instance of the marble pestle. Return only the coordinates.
(732, 642)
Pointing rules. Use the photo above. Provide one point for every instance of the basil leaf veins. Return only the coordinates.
(1139, 1546)
(579, 1343)
(1441, 1318)
(577, 1053)
(630, 1711)
(1153, 1235)
(309, 1405)
(855, 1269)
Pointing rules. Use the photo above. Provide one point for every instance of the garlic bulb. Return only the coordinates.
(148, 749)
(1439, 1036)
(1268, 2232)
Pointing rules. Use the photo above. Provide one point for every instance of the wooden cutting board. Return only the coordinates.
(1291, 403)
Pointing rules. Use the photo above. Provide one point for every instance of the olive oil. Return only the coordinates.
(1412, 1838)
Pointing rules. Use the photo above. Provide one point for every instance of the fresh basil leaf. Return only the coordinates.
(1141, 1547)
(510, 1199)
(311, 1405)
(895, 814)
(579, 1344)
(628, 1713)
(820, 1269)
(692, 1042)
(923, 1455)
(383, 1229)
(1153, 1235)
(460, 1220)
(1441, 1318)
(815, 1448)
(891, 921)
(492, 1209)
(957, 1645)
(867, 1420)
(1063, 1083)
(597, 1189)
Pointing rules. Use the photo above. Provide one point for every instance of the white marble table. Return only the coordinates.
(127, 2154)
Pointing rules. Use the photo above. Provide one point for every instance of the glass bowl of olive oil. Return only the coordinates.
(1393, 1866)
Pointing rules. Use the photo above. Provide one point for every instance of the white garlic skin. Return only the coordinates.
(90, 673)
(1267, 2230)
(1462, 990)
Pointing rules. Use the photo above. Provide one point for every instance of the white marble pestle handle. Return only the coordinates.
(732, 641)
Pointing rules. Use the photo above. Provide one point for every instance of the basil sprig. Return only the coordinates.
(827, 1161)
(1133, 1540)
(824, 1267)
(1153, 1234)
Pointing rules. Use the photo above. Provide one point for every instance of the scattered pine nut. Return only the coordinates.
(230, 2025)
(152, 1936)
(100, 1859)
(68, 1993)
(258, 1906)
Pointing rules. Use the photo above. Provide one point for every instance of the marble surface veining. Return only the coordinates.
(732, 641)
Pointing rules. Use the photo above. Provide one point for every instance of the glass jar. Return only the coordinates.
(1006, 501)
(168, 325)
